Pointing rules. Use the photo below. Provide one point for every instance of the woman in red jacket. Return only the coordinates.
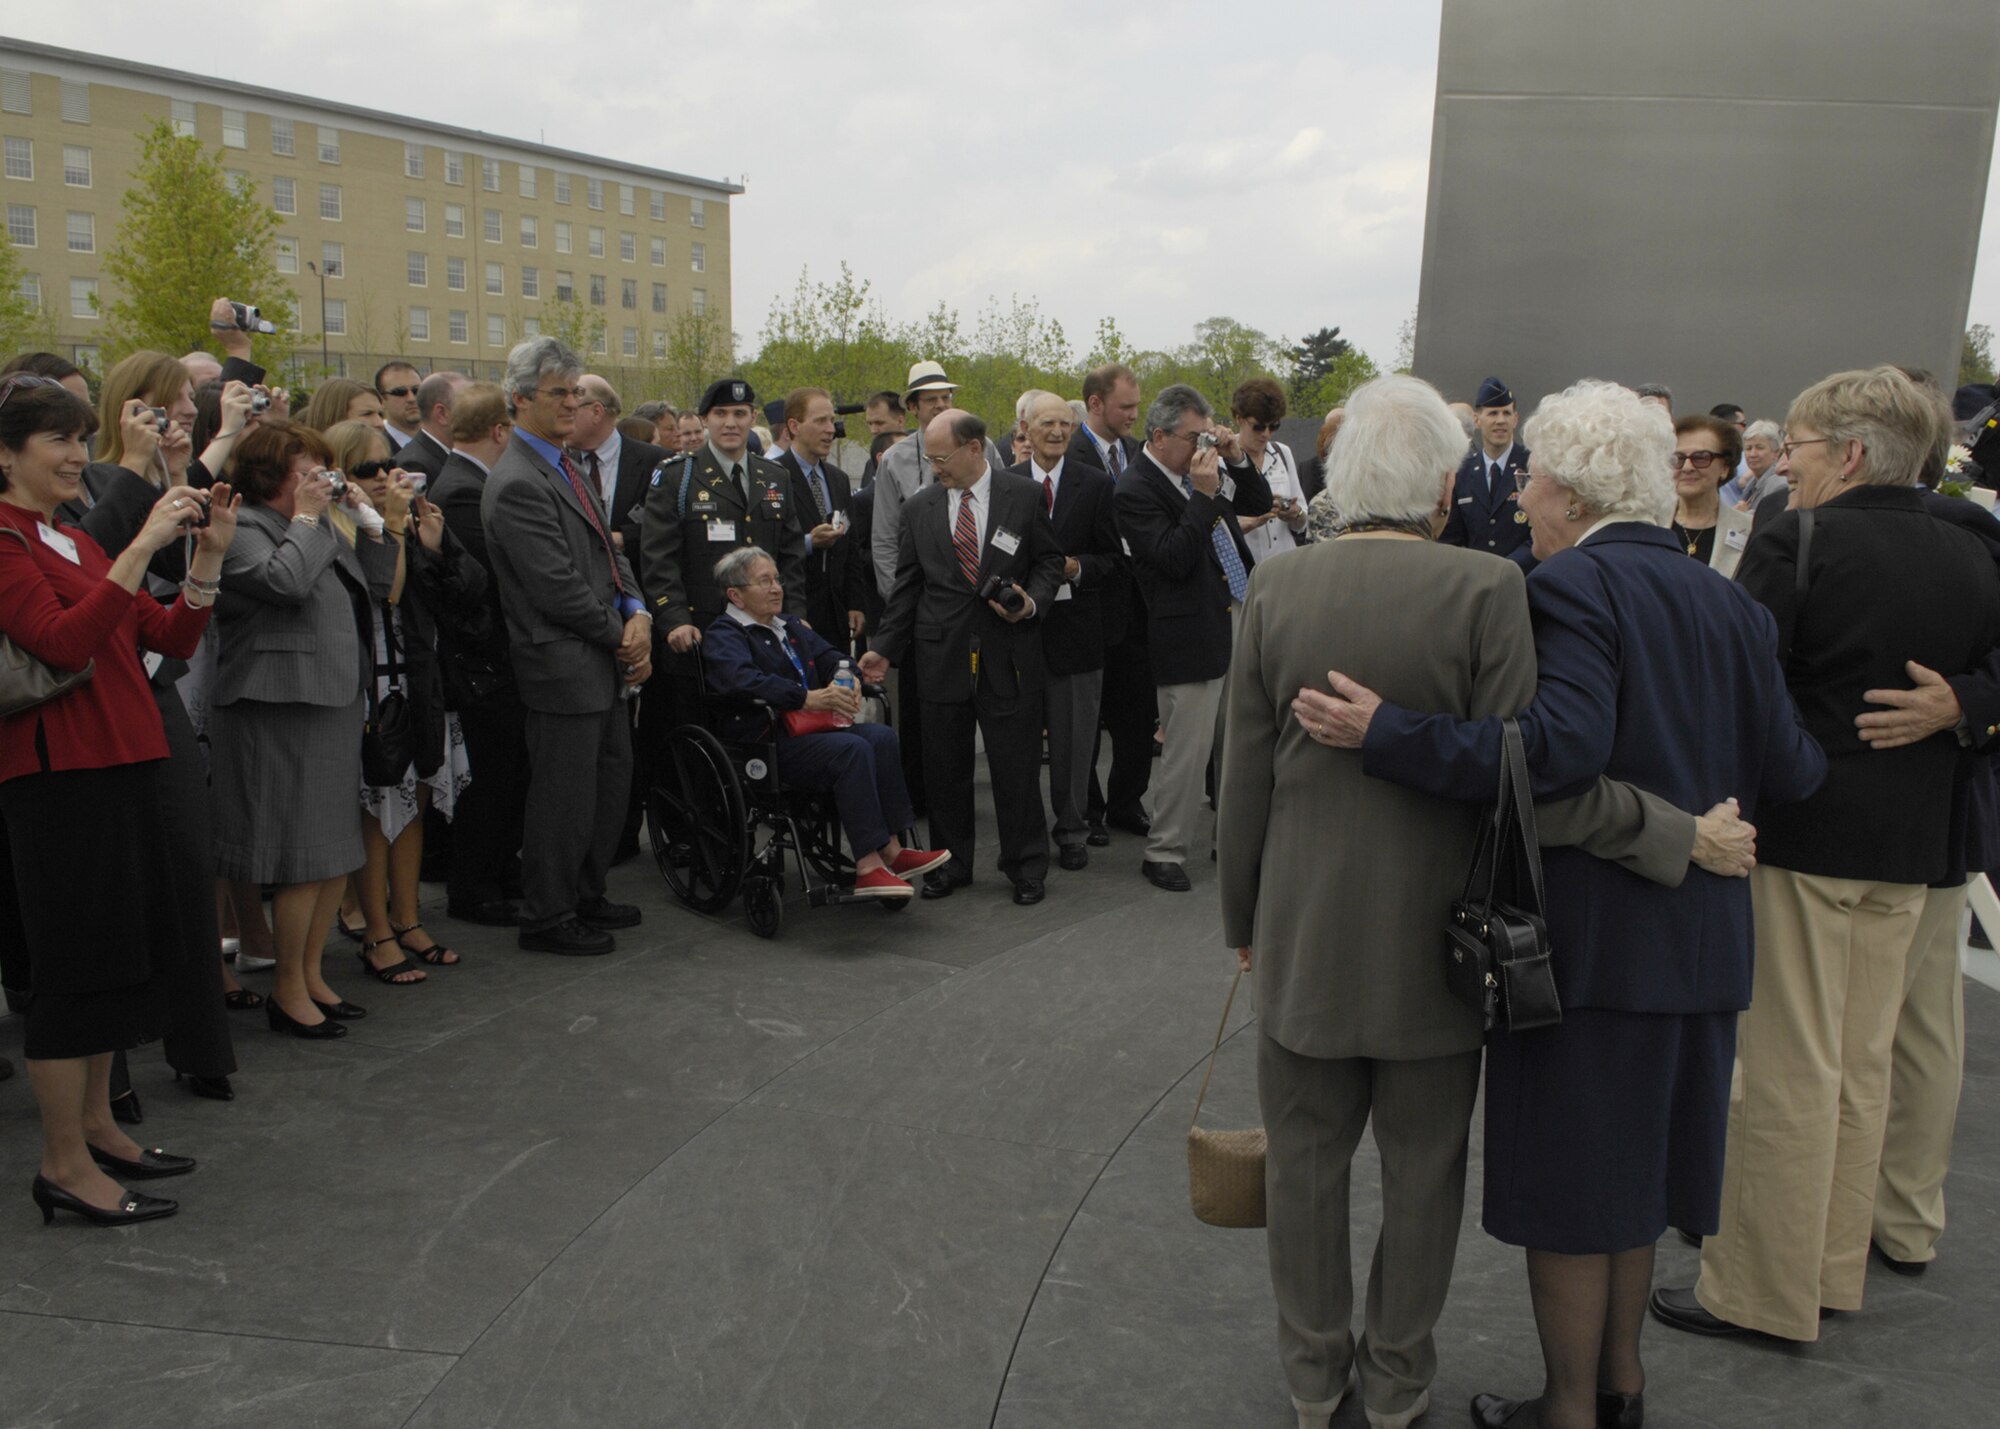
(84, 770)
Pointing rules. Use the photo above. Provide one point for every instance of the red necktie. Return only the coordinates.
(1049, 490)
(965, 539)
(589, 500)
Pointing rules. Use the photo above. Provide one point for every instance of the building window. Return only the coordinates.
(83, 298)
(697, 214)
(527, 172)
(413, 160)
(82, 233)
(85, 355)
(698, 301)
(454, 220)
(454, 167)
(628, 293)
(332, 260)
(20, 158)
(597, 343)
(625, 195)
(562, 236)
(531, 281)
(657, 203)
(659, 297)
(420, 270)
(281, 138)
(496, 280)
(76, 165)
(336, 317)
(75, 102)
(659, 347)
(15, 92)
(700, 258)
(531, 231)
(593, 193)
(489, 175)
(284, 195)
(329, 145)
(496, 330)
(531, 327)
(629, 342)
(597, 289)
(288, 255)
(628, 247)
(597, 243)
(414, 218)
(456, 328)
(31, 289)
(454, 274)
(329, 202)
(240, 182)
(184, 117)
(420, 324)
(491, 225)
(21, 225)
(565, 286)
(657, 250)
(235, 130)
(562, 188)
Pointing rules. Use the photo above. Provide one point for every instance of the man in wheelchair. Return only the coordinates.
(753, 651)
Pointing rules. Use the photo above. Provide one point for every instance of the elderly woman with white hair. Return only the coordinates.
(1761, 440)
(1605, 1129)
(1335, 885)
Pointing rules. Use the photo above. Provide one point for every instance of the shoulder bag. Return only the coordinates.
(1225, 1168)
(25, 681)
(1496, 954)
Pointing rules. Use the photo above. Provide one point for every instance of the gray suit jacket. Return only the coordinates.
(555, 584)
(1338, 882)
(285, 620)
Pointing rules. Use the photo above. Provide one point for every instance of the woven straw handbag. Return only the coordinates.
(1225, 1168)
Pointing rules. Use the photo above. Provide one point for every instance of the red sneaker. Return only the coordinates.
(880, 883)
(914, 862)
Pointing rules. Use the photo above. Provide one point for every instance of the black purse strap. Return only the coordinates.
(1513, 812)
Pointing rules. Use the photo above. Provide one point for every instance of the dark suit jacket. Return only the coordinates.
(422, 453)
(1483, 519)
(476, 655)
(1654, 671)
(743, 662)
(556, 584)
(932, 604)
(685, 500)
(637, 461)
(1180, 577)
(837, 577)
(1086, 527)
(1123, 612)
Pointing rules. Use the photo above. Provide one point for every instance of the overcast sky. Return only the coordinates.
(1161, 163)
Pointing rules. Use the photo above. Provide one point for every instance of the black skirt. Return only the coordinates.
(98, 916)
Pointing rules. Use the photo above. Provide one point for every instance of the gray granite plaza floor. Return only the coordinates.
(922, 1170)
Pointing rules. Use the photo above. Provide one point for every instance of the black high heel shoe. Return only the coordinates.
(342, 1011)
(133, 1208)
(282, 1021)
(1620, 1411)
(214, 1088)
(150, 1166)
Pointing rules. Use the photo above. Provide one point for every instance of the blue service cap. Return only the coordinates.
(1493, 393)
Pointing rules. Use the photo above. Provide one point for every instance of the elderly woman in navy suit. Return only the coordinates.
(1607, 1129)
(753, 651)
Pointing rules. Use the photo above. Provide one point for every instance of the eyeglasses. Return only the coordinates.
(938, 460)
(561, 394)
(400, 392)
(1183, 436)
(15, 381)
(764, 580)
(1700, 461)
(1788, 448)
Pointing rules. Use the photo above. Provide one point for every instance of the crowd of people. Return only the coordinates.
(263, 655)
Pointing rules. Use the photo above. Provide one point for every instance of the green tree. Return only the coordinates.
(1975, 362)
(25, 325)
(830, 335)
(1406, 344)
(570, 321)
(1313, 358)
(1110, 346)
(1347, 372)
(700, 348)
(187, 235)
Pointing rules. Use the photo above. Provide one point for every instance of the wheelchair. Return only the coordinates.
(721, 823)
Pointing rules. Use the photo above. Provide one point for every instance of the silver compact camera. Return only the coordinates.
(260, 402)
(159, 418)
(1205, 442)
(337, 482)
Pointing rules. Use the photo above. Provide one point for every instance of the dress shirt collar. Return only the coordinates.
(463, 455)
(1487, 461)
(397, 435)
(742, 617)
(541, 447)
(726, 462)
(607, 464)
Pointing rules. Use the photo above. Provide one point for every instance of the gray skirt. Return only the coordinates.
(284, 778)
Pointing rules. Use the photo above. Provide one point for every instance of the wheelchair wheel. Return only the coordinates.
(695, 817)
(763, 905)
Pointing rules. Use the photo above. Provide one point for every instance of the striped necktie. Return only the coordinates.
(965, 539)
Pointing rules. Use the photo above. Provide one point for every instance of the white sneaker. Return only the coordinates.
(1404, 1418)
(1317, 1416)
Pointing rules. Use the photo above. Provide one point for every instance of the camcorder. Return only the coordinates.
(1002, 594)
(248, 319)
(845, 409)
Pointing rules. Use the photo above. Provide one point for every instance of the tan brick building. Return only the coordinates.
(441, 243)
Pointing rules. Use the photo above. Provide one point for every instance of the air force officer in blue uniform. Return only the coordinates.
(1485, 509)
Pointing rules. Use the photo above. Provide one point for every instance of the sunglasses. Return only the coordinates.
(18, 380)
(400, 392)
(1700, 461)
(1265, 427)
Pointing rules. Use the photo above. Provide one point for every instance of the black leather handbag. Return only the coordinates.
(1497, 954)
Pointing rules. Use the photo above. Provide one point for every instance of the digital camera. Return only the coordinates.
(248, 319)
(1003, 595)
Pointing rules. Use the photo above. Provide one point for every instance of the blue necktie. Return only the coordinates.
(1225, 552)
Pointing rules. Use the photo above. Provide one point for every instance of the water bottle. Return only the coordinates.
(844, 678)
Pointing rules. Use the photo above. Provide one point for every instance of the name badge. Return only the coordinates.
(722, 531)
(1465, 501)
(1005, 540)
(152, 660)
(1735, 540)
(62, 545)
(1064, 592)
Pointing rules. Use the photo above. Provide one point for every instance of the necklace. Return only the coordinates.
(1691, 537)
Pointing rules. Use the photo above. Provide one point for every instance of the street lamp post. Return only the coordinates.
(313, 268)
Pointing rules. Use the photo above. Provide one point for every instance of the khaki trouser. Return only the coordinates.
(1809, 1100)
(1926, 1068)
(1187, 728)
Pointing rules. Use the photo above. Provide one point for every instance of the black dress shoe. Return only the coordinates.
(1072, 857)
(131, 1208)
(1901, 1267)
(1490, 1411)
(1028, 890)
(282, 1021)
(571, 938)
(342, 1011)
(1681, 1311)
(1099, 836)
(602, 913)
(150, 1166)
(1129, 823)
(1170, 876)
(216, 1089)
(493, 913)
(1620, 1411)
(944, 884)
(125, 1108)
